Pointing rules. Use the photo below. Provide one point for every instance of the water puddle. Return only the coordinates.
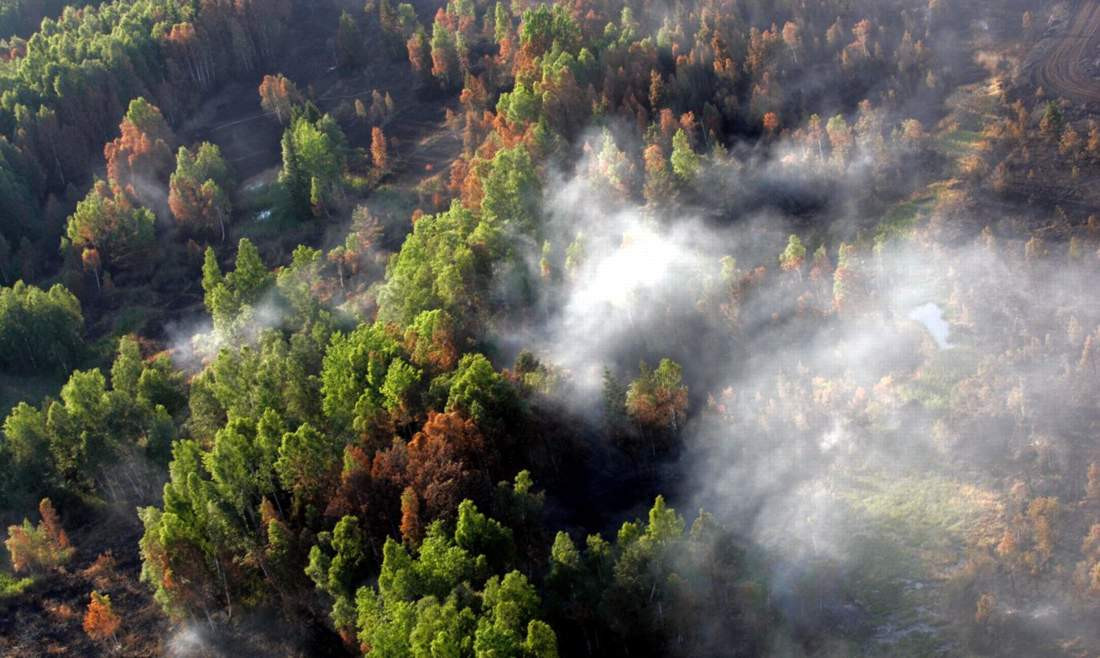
(931, 316)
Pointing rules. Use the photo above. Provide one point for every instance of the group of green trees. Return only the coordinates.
(234, 296)
(74, 77)
(314, 156)
(450, 259)
(375, 471)
(689, 81)
(113, 229)
(198, 191)
(354, 460)
(40, 330)
(103, 436)
(312, 441)
(20, 18)
(109, 228)
(285, 430)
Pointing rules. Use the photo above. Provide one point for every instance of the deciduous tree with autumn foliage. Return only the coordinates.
(198, 191)
(39, 548)
(101, 622)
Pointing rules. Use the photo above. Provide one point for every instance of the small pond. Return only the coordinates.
(931, 316)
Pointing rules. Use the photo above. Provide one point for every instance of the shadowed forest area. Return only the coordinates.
(591, 328)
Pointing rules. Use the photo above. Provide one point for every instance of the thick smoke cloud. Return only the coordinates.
(633, 273)
(795, 402)
(194, 344)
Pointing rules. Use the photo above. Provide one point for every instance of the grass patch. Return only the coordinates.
(921, 515)
(130, 319)
(914, 642)
(11, 586)
(906, 531)
(360, 185)
(961, 142)
(392, 201)
(934, 386)
(262, 212)
(900, 219)
(259, 196)
(263, 228)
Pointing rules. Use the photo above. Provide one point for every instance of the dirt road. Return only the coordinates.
(1062, 71)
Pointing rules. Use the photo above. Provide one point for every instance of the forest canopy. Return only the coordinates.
(477, 328)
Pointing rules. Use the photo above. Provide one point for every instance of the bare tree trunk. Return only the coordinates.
(225, 586)
(57, 161)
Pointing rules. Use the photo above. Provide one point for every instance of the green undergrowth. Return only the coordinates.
(907, 530)
(11, 586)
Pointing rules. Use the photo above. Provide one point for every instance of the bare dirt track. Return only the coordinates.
(1063, 71)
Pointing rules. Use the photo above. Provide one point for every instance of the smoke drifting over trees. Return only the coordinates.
(571, 329)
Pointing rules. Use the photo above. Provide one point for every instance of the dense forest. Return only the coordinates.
(589, 328)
